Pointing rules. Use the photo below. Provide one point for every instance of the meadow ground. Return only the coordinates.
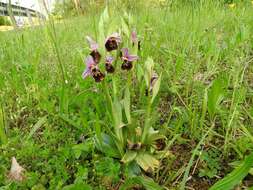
(204, 107)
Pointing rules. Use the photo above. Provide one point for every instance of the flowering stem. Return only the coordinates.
(108, 96)
(147, 121)
(118, 132)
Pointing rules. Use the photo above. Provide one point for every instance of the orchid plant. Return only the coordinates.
(129, 138)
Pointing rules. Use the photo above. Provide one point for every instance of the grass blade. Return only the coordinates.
(39, 124)
(3, 137)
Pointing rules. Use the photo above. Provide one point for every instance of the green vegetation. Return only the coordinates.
(4, 21)
(73, 133)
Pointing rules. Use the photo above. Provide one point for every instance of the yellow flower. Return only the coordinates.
(232, 5)
(252, 2)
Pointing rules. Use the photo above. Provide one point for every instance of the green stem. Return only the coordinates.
(108, 96)
(147, 121)
(118, 132)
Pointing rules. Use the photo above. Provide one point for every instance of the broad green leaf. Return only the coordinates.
(132, 169)
(153, 137)
(125, 28)
(236, 176)
(156, 88)
(149, 65)
(101, 33)
(117, 114)
(139, 72)
(129, 156)
(103, 21)
(147, 161)
(216, 95)
(108, 146)
(148, 183)
(127, 105)
(105, 15)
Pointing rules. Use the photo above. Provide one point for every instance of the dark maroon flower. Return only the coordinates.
(97, 74)
(94, 49)
(127, 59)
(112, 42)
(92, 70)
(108, 64)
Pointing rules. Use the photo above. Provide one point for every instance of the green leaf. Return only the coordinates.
(125, 28)
(103, 21)
(139, 72)
(132, 169)
(235, 177)
(147, 161)
(108, 146)
(216, 95)
(154, 135)
(129, 156)
(156, 88)
(127, 105)
(148, 183)
(105, 15)
(117, 114)
(149, 65)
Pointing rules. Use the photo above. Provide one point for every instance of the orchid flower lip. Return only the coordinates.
(108, 64)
